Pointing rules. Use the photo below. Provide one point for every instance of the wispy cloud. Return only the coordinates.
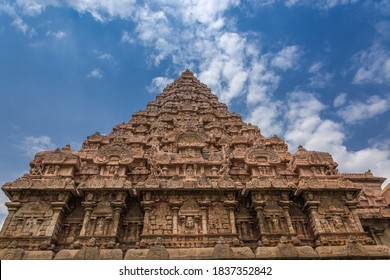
(103, 10)
(127, 38)
(315, 67)
(373, 64)
(357, 111)
(340, 99)
(287, 58)
(319, 4)
(58, 35)
(158, 84)
(106, 57)
(320, 80)
(95, 73)
(23, 27)
(31, 145)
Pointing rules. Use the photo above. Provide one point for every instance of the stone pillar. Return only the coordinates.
(231, 207)
(118, 208)
(138, 232)
(352, 205)
(146, 219)
(175, 210)
(286, 207)
(232, 220)
(315, 217)
(58, 210)
(147, 207)
(88, 208)
(204, 219)
(259, 207)
(12, 208)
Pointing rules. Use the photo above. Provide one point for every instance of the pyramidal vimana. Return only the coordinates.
(187, 179)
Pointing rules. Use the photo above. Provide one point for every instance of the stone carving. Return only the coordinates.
(262, 154)
(115, 152)
(158, 251)
(187, 170)
(189, 215)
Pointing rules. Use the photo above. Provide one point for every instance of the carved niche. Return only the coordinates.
(274, 218)
(72, 223)
(189, 217)
(300, 222)
(131, 226)
(245, 223)
(101, 219)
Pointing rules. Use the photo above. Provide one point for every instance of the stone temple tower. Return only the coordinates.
(187, 179)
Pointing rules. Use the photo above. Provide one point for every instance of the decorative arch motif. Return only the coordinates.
(262, 154)
(116, 151)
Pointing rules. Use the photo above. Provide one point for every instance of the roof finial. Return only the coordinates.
(187, 73)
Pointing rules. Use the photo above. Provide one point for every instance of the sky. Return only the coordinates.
(314, 72)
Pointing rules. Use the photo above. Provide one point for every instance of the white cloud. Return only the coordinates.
(103, 10)
(106, 56)
(340, 100)
(32, 145)
(198, 35)
(127, 38)
(304, 123)
(264, 110)
(263, 82)
(158, 84)
(383, 6)
(58, 35)
(307, 127)
(23, 27)
(315, 4)
(315, 67)
(319, 4)
(357, 111)
(373, 65)
(8, 9)
(317, 78)
(287, 58)
(320, 80)
(34, 7)
(96, 73)
(267, 117)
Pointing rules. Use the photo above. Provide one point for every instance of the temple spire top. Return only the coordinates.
(187, 73)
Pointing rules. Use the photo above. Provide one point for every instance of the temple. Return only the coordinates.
(187, 179)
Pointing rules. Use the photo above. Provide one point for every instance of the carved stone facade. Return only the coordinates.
(187, 179)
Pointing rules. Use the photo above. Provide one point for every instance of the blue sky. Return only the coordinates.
(317, 73)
